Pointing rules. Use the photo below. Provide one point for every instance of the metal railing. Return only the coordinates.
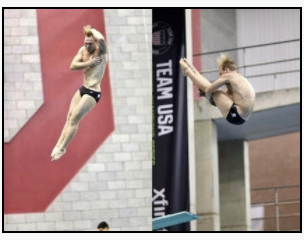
(247, 47)
(277, 202)
(247, 66)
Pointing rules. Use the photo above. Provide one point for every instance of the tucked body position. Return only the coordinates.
(237, 102)
(92, 58)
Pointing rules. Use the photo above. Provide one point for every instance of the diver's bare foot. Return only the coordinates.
(54, 151)
(187, 67)
(58, 154)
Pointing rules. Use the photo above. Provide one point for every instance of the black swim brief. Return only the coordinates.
(96, 95)
(233, 116)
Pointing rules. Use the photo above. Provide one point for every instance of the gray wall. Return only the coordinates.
(224, 29)
(22, 76)
(218, 32)
(260, 26)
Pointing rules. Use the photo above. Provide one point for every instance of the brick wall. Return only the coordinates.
(22, 76)
(276, 161)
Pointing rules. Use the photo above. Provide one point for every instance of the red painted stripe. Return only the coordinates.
(31, 180)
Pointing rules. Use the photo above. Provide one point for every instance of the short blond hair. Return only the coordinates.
(87, 30)
(225, 61)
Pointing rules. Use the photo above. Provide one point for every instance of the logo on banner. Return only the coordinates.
(162, 38)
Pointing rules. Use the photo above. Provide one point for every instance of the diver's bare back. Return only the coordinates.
(243, 94)
(93, 75)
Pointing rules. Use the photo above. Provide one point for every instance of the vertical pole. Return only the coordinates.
(277, 210)
(190, 109)
(244, 59)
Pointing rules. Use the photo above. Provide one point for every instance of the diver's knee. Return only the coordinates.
(73, 120)
(69, 116)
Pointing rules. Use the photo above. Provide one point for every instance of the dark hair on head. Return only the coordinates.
(103, 225)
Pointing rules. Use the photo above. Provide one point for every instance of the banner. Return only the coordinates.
(170, 128)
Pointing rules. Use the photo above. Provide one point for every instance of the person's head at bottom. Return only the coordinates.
(103, 226)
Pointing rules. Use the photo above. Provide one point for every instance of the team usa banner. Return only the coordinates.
(170, 189)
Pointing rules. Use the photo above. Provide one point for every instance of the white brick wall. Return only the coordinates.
(22, 78)
(115, 185)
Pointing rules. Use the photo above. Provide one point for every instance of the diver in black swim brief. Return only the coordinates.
(234, 117)
(92, 58)
(96, 95)
(236, 103)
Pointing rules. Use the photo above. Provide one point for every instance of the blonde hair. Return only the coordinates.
(225, 61)
(87, 31)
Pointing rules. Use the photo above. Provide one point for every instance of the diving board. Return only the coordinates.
(173, 219)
